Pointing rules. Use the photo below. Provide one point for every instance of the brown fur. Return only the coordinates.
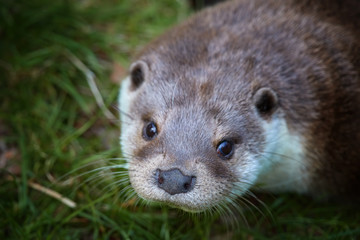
(307, 52)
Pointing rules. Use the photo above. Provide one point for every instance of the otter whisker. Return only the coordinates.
(282, 156)
(251, 194)
(104, 161)
(122, 111)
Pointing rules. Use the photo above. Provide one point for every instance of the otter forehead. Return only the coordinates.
(214, 89)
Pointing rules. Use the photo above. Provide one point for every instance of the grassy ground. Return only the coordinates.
(55, 133)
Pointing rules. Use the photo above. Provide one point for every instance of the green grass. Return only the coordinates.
(53, 133)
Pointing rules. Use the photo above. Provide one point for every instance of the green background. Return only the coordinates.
(54, 134)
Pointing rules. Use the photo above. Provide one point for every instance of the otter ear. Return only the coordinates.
(139, 70)
(265, 101)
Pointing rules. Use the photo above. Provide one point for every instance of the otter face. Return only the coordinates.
(194, 140)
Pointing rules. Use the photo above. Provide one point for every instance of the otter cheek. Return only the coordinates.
(140, 180)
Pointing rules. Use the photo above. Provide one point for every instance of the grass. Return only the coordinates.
(53, 133)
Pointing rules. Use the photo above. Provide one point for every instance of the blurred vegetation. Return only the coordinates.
(55, 134)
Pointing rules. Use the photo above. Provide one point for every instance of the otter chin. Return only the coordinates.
(248, 95)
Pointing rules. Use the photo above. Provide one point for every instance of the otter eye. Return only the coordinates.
(225, 149)
(149, 131)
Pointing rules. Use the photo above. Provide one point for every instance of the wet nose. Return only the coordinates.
(174, 181)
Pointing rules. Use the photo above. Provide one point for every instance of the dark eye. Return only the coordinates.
(149, 131)
(225, 149)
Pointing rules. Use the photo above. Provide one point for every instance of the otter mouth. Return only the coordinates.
(185, 203)
(181, 205)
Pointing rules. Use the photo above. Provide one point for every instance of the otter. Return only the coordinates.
(247, 95)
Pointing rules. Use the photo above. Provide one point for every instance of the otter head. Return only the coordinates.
(194, 136)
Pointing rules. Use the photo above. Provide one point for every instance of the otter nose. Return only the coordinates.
(174, 181)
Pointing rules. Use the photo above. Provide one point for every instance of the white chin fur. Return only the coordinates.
(283, 164)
